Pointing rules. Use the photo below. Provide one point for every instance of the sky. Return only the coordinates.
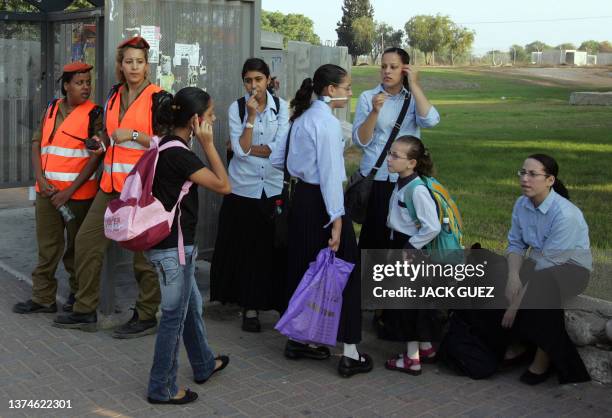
(472, 14)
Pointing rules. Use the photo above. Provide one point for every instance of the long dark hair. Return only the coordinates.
(324, 76)
(175, 112)
(255, 64)
(404, 57)
(418, 152)
(552, 168)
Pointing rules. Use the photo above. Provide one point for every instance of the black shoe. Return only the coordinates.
(189, 397)
(135, 328)
(532, 379)
(250, 324)
(67, 307)
(29, 306)
(224, 363)
(75, 320)
(348, 367)
(295, 350)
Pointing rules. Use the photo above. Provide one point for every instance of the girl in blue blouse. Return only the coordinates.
(557, 268)
(246, 267)
(375, 115)
(316, 217)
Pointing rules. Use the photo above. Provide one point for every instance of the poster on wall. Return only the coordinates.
(152, 35)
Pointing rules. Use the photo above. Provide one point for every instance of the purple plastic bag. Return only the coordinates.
(314, 310)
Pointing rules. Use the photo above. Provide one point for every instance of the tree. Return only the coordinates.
(565, 46)
(386, 37)
(429, 34)
(518, 54)
(294, 27)
(592, 47)
(351, 11)
(460, 42)
(536, 46)
(605, 46)
(364, 33)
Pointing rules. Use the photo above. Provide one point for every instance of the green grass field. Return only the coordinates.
(489, 123)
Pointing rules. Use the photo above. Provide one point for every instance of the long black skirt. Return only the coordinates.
(246, 268)
(545, 328)
(374, 232)
(306, 238)
(405, 325)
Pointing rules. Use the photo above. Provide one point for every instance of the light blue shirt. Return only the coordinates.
(250, 175)
(384, 125)
(316, 155)
(555, 231)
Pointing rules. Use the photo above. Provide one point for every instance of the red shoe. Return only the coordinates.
(410, 366)
(428, 356)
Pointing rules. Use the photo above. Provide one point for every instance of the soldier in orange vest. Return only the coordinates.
(65, 184)
(129, 113)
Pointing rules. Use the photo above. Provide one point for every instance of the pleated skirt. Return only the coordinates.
(374, 232)
(306, 238)
(246, 268)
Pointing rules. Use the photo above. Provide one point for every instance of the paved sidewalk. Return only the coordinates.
(104, 377)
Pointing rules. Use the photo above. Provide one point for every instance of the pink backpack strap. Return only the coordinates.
(184, 191)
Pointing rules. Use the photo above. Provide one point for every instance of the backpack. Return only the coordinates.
(242, 112)
(464, 351)
(137, 220)
(447, 246)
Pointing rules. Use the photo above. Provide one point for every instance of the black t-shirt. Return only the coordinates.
(174, 167)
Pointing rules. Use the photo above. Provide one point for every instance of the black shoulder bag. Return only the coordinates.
(281, 206)
(358, 188)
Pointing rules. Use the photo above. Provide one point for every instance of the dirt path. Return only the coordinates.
(595, 77)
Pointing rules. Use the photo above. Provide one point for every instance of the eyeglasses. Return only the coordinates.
(396, 156)
(530, 174)
(347, 88)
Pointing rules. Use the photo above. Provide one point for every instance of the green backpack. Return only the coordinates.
(447, 246)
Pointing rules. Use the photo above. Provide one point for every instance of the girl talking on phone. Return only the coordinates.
(376, 113)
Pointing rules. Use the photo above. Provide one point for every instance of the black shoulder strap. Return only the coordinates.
(287, 176)
(51, 106)
(394, 132)
(94, 114)
(277, 103)
(241, 108)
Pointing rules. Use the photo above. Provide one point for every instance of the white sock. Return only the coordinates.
(250, 313)
(350, 351)
(424, 346)
(412, 351)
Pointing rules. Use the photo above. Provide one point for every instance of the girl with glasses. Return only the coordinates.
(557, 268)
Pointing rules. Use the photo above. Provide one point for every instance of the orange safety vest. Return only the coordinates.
(62, 156)
(121, 158)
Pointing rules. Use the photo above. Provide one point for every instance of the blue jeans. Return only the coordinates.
(181, 305)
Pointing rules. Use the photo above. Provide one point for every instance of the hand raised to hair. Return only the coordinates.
(202, 130)
(412, 73)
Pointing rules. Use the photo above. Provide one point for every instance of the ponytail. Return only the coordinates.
(552, 169)
(176, 112)
(301, 101)
(418, 152)
(327, 74)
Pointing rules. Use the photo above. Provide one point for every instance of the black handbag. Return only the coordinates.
(282, 205)
(359, 187)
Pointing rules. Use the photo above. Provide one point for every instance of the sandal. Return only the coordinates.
(428, 356)
(187, 398)
(391, 364)
(224, 362)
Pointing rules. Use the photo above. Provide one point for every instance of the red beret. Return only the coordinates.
(135, 42)
(77, 67)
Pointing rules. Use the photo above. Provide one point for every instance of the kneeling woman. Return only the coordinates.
(316, 219)
(558, 267)
(190, 112)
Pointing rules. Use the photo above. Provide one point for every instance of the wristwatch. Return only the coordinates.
(249, 125)
(135, 135)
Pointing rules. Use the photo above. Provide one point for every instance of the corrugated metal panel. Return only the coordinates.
(20, 90)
